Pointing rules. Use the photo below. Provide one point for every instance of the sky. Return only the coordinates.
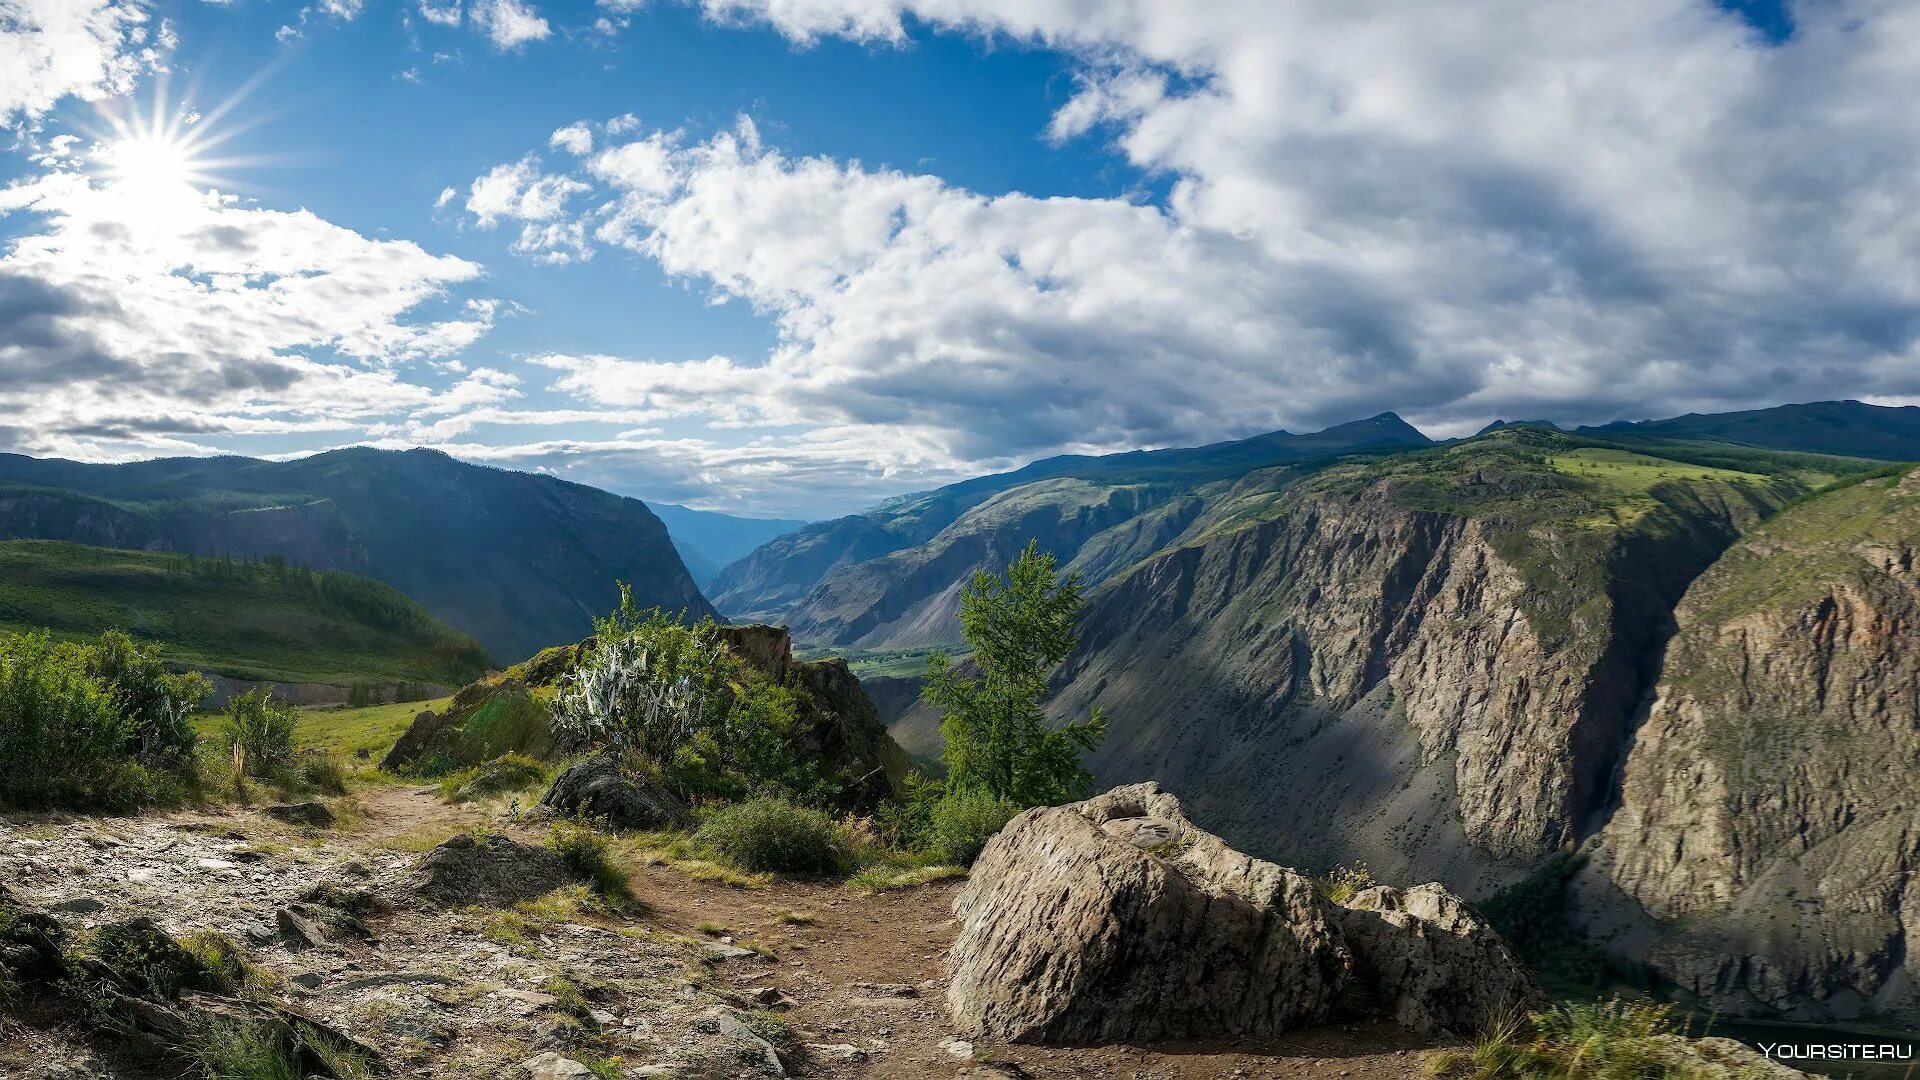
(791, 257)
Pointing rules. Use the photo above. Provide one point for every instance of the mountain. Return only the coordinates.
(1851, 428)
(707, 540)
(889, 577)
(1764, 847)
(246, 620)
(517, 560)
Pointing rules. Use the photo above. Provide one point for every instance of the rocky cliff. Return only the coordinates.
(1428, 664)
(1769, 819)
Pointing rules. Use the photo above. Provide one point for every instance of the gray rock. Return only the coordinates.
(553, 1066)
(487, 870)
(79, 905)
(602, 789)
(312, 815)
(1425, 959)
(730, 1025)
(298, 931)
(1117, 919)
(1071, 932)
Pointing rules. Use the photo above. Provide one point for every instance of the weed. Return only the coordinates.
(885, 876)
(589, 855)
(1344, 883)
(795, 918)
(244, 1052)
(771, 834)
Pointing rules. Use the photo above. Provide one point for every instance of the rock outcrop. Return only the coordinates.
(494, 870)
(1117, 919)
(1769, 821)
(606, 789)
(1430, 664)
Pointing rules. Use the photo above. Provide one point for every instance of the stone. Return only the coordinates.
(836, 1053)
(298, 931)
(489, 869)
(553, 1065)
(730, 1025)
(959, 1048)
(308, 980)
(720, 950)
(900, 990)
(312, 815)
(602, 788)
(1072, 932)
(79, 905)
(1425, 959)
(1119, 920)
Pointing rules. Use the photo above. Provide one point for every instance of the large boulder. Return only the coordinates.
(606, 788)
(1424, 958)
(1118, 920)
(472, 869)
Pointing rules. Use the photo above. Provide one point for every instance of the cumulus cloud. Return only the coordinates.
(133, 319)
(1459, 211)
(89, 49)
(509, 24)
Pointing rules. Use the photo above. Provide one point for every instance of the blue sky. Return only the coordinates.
(792, 256)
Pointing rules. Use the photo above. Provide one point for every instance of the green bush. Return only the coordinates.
(589, 855)
(773, 835)
(262, 726)
(961, 824)
(91, 725)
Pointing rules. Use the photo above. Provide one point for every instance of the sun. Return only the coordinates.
(157, 162)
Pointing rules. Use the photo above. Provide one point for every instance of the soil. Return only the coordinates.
(856, 980)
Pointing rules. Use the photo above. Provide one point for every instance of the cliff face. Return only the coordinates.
(1769, 821)
(1428, 667)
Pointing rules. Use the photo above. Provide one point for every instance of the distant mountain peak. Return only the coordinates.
(1500, 424)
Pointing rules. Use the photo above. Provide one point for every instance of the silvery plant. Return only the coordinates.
(652, 688)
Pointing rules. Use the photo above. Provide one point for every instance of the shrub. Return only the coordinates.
(589, 855)
(91, 725)
(771, 834)
(246, 1052)
(1344, 883)
(961, 824)
(262, 726)
(323, 772)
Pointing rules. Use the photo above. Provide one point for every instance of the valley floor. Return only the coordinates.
(856, 981)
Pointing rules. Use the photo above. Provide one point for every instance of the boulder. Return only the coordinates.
(1118, 920)
(312, 815)
(491, 869)
(1425, 959)
(603, 788)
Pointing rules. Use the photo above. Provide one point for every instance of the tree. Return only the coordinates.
(997, 737)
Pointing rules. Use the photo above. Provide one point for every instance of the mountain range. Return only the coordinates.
(517, 560)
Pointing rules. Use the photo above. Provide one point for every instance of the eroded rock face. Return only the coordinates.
(1117, 919)
(601, 789)
(1769, 822)
(1425, 959)
(487, 870)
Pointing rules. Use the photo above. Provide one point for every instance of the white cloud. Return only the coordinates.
(89, 49)
(441, 14)
(509, 24)
(1460, 211)
(575, 139)
(134, 319)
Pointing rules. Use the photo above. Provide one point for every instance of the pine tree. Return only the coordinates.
(997, 736)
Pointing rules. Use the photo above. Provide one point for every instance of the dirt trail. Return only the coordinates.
(859, 979)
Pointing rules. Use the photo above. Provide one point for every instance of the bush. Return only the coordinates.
(1614, 1040)
(961, 824)
(773, 835)
(323, 772)
(94, 725)
(589, 855)
(262, 726)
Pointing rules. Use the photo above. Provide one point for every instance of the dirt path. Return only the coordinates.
(858, 979)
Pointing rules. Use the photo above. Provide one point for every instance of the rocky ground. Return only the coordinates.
(704, 980)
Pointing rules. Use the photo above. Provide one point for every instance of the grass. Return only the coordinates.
(247, 620)
(592, 856)
(885, 876)
(1623, 481)
(371, 730)
(795, 918)
(874, 663)
(1613, 1040)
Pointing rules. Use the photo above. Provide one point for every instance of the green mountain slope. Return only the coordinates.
(248, 620)
(1849, 428)
(887, 577)
(707, 540)
(517, 560)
